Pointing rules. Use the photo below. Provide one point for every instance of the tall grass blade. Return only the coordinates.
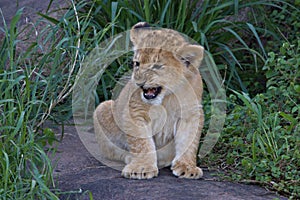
(251, 27)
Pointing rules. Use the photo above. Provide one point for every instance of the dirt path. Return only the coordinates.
(77, 170)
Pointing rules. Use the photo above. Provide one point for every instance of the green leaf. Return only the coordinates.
(20, 123)
(163, 14)
(252, 28)
(50, 19)
(297, 88)
(296, 108)
(288, 117)
(147, 10)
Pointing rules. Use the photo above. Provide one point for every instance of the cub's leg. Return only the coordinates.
(138, 153)
(186, 144)
(143, 163)
(111, 139)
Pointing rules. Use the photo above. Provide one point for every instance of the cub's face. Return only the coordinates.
(157, 73)
(162, 61)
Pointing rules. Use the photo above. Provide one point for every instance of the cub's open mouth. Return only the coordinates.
(151, 93)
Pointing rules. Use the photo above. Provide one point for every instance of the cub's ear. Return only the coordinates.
(191, 55)
(135, 31)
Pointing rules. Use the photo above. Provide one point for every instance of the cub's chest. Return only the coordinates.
(164, 119)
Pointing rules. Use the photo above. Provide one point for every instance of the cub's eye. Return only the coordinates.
(156, 66)
(136, 64)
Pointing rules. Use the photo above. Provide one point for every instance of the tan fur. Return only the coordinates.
(147, 134)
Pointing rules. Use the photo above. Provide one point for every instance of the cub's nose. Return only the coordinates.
(140, 84)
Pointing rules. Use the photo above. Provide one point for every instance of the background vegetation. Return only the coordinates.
(255, 45)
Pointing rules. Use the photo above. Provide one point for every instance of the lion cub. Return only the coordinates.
(157, 119)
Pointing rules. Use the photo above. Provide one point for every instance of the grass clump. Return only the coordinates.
(229, 30)
(261, 139)
(36, 80)
(25, 169)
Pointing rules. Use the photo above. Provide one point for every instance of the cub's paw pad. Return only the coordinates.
(187, 171)
(139, 171)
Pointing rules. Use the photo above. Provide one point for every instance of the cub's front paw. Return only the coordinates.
(139, 171)
(183, 170)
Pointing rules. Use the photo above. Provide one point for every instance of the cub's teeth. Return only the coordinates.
(151, 93)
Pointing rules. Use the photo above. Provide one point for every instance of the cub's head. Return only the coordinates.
(163, 61)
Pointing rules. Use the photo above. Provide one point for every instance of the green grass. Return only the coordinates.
(25, 169)
(261, 140)
(35, 86)
(235, 44)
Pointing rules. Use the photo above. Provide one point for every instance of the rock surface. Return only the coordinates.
(78, 171)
